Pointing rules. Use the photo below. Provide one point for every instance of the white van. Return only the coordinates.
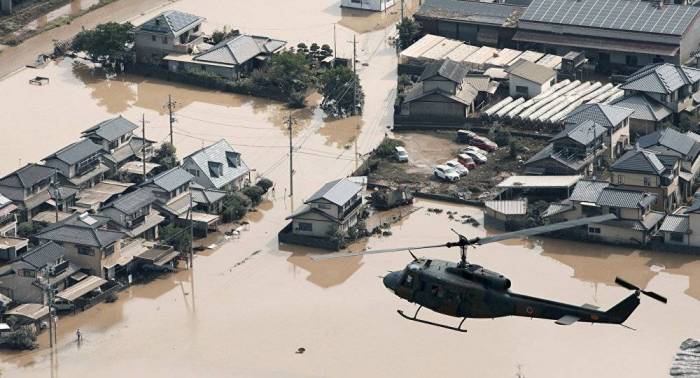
(400, 154)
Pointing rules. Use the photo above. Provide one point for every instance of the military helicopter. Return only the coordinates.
(470, 291)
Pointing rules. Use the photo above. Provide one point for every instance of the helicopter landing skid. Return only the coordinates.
(414, 318)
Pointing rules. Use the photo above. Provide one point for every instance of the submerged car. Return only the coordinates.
(459, 168)
(483, 143)
(474, 149)
(479, 158)
(445, 173)
(466, 160)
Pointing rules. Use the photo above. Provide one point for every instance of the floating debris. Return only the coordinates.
(300, 351)
(687, 360)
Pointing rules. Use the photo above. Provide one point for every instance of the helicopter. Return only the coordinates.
(467, 290)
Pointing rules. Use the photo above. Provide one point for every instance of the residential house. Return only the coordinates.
(440, 93)
(372, 5)
(671, 143)
(169, 32)
(24, 279)
(28, 188)
(528, 79)
(648, 113)
(218, 166)
(643, 170)
(120, 145)
(78, 164)
(615, 120)
(8, 218)
(88, 242)
(134, 215)
(693, 213)
(676, 231)
(210, 201)
(230, 58)
(575, 150)
(333, 208)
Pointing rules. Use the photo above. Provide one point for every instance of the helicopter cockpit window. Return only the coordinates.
(408, 281)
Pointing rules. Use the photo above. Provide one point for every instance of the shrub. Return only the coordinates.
(235, 206)
(408, 31)
(516, 147)
(386, 148)
(27, 229)
(177, 237)
(255, 193)
(22, 339)
(502, 137)
(297, 100)
(265, 184)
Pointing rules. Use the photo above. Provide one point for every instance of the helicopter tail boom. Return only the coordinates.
(621, 311)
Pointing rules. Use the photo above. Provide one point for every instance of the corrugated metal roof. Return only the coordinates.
(471, 11)
(338, 192)
(588, 190)
(645, 108)
(172, 179)
(171, 21)
(531, 71)
(230, 164)
(625, 15)
(33, 311)
(675, 223)
(557, 208)
(605, 115)
(508, 207)
(639, 161)
(81, 288)
(625, 198)
(539, 181)
(661, 78)
(75, 152)
(112, 129)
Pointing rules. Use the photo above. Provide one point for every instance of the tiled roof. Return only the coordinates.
(206, 196)
(583, 133)
(228, 163)
(661, 78)
(338, 191)
(531, 71)
(639, 161)
(75, 152)
(27, 176)
(645, 107)
(112, 129)
(172, 179)
(588, 190)
(675, 223)
(605, 115)
(625, 198)
(448, 69)
(170, 22)
(471, 11)
(572, 161)
(239, 49)
(671, 139)
(81, 229)
(134, 201)
(623, 15)
(44, 254)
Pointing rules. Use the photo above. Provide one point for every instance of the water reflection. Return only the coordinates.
(325, 274)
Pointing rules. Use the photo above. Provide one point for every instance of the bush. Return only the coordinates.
(255, 193)
(408, 31)
(502, 137)
(177, 237)
(265, 184)
(386, 148)
(297, 100)
(106, 42)
(27, 229)
(516, 148)
(166, 156)
(235, 206)
(22, 339)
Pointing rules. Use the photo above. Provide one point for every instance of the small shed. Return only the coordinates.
(529, 79)
(29, 313)
(499, 213)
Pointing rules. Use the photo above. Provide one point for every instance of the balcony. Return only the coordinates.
(352, 208)
(87, 165)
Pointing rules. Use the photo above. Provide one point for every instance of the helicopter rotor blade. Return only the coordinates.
(649, 294)
(545, 229)
(370, 252)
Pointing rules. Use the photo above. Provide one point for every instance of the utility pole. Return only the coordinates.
(354, 71)
(143, 147)
(335, 54)
(191, 233)
(401, 10)
(171, 118)
(291, 154)
(356, 154)
(56, 194)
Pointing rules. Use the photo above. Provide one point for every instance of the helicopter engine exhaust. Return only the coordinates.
(491, 279)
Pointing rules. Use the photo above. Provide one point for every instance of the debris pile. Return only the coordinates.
(687, 360)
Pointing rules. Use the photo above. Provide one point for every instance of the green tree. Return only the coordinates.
(516, 148)
(336, 86)
(286, 73)
(166, 156)
(502, 137)
(302, 48)
(265, 184)
(177, 237)
(325, 52)
(107, 42)
(236, 206)
(314, 51)
(386, 149)
(219, 35)
(408, 32)
(255, 193)
(22, 339)
(27, 229)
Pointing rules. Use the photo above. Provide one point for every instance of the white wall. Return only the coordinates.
(533, 89)
(376, 5)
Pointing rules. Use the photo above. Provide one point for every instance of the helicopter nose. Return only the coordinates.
(391, 280)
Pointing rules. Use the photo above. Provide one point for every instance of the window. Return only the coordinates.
(594, 230)
(677, 237)
(28, 273)
(203, 67)
(87, 251)
(647, 181)
(521, 89)
(408, 282)
(324, 206)
(153, 38)
(620, 179)
(304, 226)
(233, 159)
(109, 250)
(631, 60)
(165, 40)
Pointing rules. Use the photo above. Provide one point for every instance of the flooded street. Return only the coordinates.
(247, 306)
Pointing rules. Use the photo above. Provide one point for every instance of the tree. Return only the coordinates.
(255, 193)
(265, 184)
(286, 72)
(336, 86)
(502, 137)
(408, 31)
(107, 42)
(175, 236)
(166, 156)
(302, 48)
(27, 229)
(235, 206)
(314, 50)
(219, 35)
(22, 339)
(325, 52)
(516, 148)
(387, 147)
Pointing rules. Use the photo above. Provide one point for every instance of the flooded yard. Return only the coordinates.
(247, 306)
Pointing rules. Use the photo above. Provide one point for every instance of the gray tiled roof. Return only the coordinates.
(112, 129)
(44, 254)
(239, 49)
(465, 95)
(75, 230)
(531, 71)
(605, 115)
(661, 78)
(171, 22)
(645, 107)
(694, 207)
(471, 11)
(693, 136)
(671, 139)
(172, 179)
(675, 223)
(448, 69)
(574, 162)
(218, 153)
(27, 176)
(588, 190)
(624, 15)
(134, 201)
(583, 133)
(206, 196)
(337, 191)
(625, 198)
(637, 160)
(75, 152)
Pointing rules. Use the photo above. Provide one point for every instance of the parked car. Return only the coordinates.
(478, 158)
(446, 173)
(459, 168)
(466, 160)
(400, 154)
(463, 136)
(475, 149)
(483, 143)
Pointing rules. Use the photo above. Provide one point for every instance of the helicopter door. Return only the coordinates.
(408, 286)
(450, 302)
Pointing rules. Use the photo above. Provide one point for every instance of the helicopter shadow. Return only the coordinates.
(326, 273)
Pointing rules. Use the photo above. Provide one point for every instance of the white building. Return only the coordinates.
(529, 79)
(373, 5)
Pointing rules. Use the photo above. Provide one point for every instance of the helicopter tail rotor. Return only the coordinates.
(649, 294)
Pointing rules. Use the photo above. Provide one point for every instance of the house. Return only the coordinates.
(478, 23)
(573, 151)
(645, 171)
(615, 120)
(372, 5)
(209, 201)
(528, 79)
(88, 242)
(134, 215)
(218, 166)
(229, 58)
(78, 164)
(120, 145)
(693, 213)
(11, 245)
(671, 85)
(612, 33)
(28, 188)
(24, 279)
(648, 113)
(332, 209)
(169, 32)
(675, 230)
(440, 93)
(671, 143)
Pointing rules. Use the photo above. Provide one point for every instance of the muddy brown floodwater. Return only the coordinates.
(247, 306)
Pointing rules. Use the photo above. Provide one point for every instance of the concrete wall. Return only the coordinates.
(616, 235)
(438, 106)
(533, 89)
